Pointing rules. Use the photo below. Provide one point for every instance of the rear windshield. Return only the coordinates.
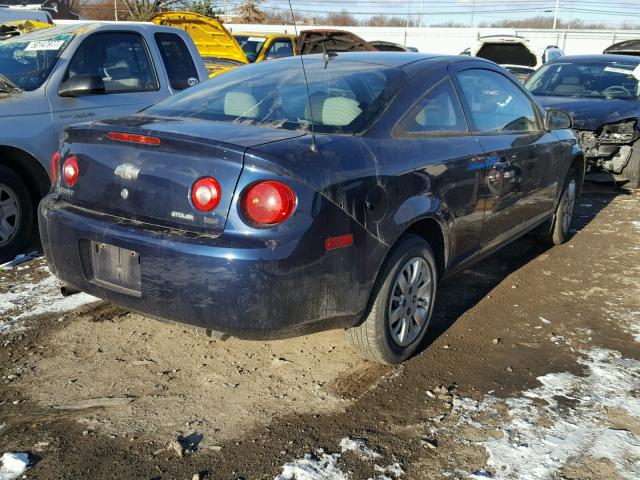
(345, 96)
(27, 60)
(588, 79)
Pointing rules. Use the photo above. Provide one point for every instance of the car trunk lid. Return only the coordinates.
(152, 183)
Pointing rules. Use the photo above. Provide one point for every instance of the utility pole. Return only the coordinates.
(115, 9)
(226, 19)
(421, 12)
(555, 16)
(473, 12)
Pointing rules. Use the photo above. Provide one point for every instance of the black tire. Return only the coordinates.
(560, 228)
(13, 190)
(373, 339)
(632, 170)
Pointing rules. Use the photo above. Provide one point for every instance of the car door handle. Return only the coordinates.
(501, 170)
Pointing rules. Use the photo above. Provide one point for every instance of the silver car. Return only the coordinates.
(68, 74)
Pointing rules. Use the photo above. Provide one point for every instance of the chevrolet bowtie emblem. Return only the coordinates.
(126, 171)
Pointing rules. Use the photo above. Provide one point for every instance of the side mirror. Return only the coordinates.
(80, 85)
(558, 120)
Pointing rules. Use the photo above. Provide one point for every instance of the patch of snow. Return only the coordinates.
(537, 442)
(30, 299)
(394, 470)
(323, 466)
(12, 465)
(632, 322)
(320, 466)
(359, 447)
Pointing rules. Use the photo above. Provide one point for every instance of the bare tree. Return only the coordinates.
(203, 7)
(386, 21)
(342, 19)
(543, 22)
(143, 10)
(249, 11)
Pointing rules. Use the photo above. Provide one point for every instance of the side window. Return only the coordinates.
(120, 60)
(438, 111)
(496, 103)
(280, 47)
(178, 61)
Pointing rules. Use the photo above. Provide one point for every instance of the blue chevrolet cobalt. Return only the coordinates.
(264, 206)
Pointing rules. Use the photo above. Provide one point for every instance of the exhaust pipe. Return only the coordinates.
(67, 290)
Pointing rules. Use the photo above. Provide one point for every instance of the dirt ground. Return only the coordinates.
(531, 370)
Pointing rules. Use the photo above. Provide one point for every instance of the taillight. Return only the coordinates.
(70, 171)
(205, 194)
(269, 202)
(54, 167)
(133, 138)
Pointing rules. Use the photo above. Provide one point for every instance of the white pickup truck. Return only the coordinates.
(67, 74)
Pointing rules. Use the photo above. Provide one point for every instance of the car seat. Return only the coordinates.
(240, 104)
(570, 85)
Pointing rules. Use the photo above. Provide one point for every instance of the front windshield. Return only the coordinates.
(588, 79)
(27, 61)
(251, 45)
(345, 96)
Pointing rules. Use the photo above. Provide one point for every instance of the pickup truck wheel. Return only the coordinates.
(16, 214)
(402, 304)
(632, 170)
(561, 222)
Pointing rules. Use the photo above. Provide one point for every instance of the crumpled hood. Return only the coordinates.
(316, 41)
(592, 113)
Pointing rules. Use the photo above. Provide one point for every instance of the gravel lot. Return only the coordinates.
(532, 371)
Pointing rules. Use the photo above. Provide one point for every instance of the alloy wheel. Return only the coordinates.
(410, 301)
(9, 215)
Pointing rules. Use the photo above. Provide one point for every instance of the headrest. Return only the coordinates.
(340, 111)
(240, 104)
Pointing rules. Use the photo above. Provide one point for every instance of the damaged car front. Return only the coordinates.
(602, 94)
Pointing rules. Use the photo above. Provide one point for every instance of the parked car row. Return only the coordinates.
(224, 51)
(286, 197)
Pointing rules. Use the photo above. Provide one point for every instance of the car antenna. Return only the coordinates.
(314, 145)
(326, 56)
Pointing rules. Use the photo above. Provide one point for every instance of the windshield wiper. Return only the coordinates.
(7, 85)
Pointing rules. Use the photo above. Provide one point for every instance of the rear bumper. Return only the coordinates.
(245, 290)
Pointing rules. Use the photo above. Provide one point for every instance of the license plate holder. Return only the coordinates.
(116, 268)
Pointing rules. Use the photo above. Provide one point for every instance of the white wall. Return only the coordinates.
(455, 40)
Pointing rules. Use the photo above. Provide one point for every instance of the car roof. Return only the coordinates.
(80, 28)
(390, 59)
(597, 58)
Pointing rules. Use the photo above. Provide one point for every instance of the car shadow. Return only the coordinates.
(463, 291)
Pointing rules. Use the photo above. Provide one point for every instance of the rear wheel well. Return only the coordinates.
(29, 169)
(430, 230)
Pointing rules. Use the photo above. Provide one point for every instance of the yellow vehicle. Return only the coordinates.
(223, 51)
(19, 27)
(214, 42)
(266, 46)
